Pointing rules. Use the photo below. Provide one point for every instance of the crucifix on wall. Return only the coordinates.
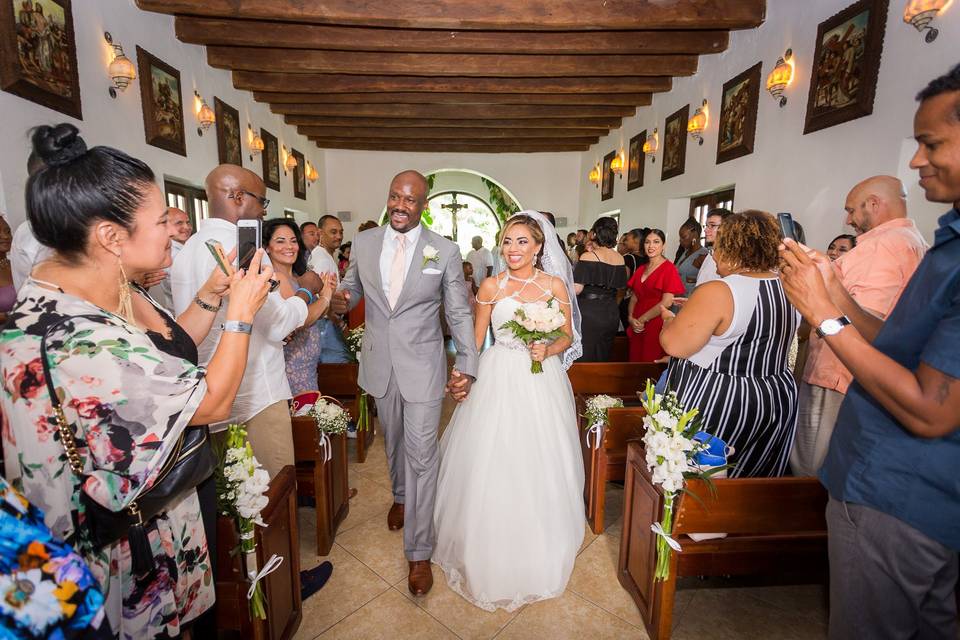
(454, 207)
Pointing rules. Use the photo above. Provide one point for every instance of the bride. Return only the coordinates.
(509, 509)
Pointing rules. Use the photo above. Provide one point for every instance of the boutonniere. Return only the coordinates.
(430, 254)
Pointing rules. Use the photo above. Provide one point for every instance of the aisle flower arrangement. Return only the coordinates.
(537, 322)
(672, 440)
(354, 340)
(596, 415)
(242, 485)
(331, 420)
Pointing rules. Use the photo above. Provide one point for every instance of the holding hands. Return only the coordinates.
(459, 385)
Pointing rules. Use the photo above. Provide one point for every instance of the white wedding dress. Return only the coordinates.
(509, 511)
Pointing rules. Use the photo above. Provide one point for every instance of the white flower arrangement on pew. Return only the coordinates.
(672, 440)
(331, 419)
(354, 340)
(242, 485)
(596, 415)
(537, 322)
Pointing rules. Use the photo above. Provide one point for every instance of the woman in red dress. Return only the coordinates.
(654, 285)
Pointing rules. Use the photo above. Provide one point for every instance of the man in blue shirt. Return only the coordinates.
(893, 468)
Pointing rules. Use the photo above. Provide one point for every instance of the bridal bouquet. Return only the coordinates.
(242, 484)
(331, 420)
(596, 415)
(672, 441)
(537, 322)
(354, 340)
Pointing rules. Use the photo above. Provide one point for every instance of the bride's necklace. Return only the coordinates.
(524, 281)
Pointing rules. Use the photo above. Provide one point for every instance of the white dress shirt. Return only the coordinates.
(411, 237)
(480, 259)
(708, 270)
(25, 252)
(322, 262)
(265, 379)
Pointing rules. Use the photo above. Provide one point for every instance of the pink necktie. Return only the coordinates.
(398, 270)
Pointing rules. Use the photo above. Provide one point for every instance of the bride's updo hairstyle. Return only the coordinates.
(535, 232)
(77, 186)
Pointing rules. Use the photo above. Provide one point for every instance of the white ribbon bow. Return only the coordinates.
(597, 430)
(657, 529)
(326, 447)
(272, 565)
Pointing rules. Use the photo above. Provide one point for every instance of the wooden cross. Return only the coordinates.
(454, 207)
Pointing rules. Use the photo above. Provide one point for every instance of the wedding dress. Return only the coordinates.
(509, 510)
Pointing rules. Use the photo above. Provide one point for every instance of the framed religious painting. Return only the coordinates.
(606, 181)
(228, 133)
(635, 160)
(675, 143)
(843, 77)
(38, 53)
(162, 101)
(738, 115)
(299, 175)
(270, 156)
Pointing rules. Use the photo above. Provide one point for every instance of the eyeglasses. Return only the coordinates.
(713, 225)
(264, 202)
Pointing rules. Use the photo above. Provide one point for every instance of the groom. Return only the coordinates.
(406, 271)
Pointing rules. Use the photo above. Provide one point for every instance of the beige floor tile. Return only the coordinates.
(588, 537)
(568, 617)
(595, 579)
(458, 615)
(390, 617)
(372, 499)
(722, 614)
(806, 599)
(351, 586)
(377, 547)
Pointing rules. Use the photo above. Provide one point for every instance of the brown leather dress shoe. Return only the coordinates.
(395, 517)
(420, 579)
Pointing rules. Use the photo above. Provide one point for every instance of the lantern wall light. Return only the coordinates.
(205, 115)
(617, 164)
(121, 68)
(256, 142)
(697, 123)
(290, 163)
(920, 13)
(781, 77)
(651, 145)
(594, 175)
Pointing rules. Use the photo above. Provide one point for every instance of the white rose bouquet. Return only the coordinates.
(671, 443)
(596, 415)
(242, 485)
(536, 322)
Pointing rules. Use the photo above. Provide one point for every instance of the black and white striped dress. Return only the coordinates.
(741, 382)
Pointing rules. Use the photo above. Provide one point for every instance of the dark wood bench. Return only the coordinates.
(774, 525)
(326, 481)
(340, 382)
(607, 461)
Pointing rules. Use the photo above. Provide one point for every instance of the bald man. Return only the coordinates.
(875, 272)
(236, 194)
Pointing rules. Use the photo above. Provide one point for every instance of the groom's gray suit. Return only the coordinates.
(404, 367)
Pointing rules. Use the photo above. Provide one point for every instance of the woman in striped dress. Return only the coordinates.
(729, 344)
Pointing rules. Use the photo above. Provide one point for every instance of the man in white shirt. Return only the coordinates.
(238, 194)
(178, 222)
(708, 268)
(330, 236)
(481, 259)
(25, 249)
(311, 238)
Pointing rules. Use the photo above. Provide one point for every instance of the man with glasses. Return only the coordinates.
(238, 194)
(708, 269)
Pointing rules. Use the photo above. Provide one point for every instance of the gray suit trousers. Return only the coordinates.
(410, 433)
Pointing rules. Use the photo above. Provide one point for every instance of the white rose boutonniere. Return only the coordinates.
(430, 254)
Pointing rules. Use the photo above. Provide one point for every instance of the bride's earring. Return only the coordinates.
(125, 306)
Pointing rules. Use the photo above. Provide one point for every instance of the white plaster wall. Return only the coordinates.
(357, 181)
(119, 123)
(808, 175)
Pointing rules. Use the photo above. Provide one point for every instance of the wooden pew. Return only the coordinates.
(340, 381)
(607, 461)
(621, 349)
(327, 482)
(774, 525)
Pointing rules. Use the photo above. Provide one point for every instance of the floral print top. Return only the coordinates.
(128, 402)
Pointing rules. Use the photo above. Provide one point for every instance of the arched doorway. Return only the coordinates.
(462, 216)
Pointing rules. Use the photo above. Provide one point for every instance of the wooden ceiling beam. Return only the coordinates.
(534, 15)
(409, 97)
(456, 133)
(599, 126)
(454, 111)
(449, 146)
(448, 64)
(258, 33)
(346, 83)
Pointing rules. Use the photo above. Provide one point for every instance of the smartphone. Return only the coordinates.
(248, 241)
(786, 225)
(217, 250)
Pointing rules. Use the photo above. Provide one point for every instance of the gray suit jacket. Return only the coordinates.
(408, 340)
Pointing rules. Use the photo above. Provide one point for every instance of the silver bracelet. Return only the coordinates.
(235, 326)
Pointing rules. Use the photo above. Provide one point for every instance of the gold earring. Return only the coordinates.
(125, 306)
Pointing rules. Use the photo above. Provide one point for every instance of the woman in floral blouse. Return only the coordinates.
(125, 372)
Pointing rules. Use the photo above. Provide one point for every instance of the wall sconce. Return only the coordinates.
(920, 13)
(651, 145)
(616, 165)
(781, 76)
(290, 163)
(594, 176)
(311, 174)
(121, 69)
(256, 142)
(205, 115)
(698, 123)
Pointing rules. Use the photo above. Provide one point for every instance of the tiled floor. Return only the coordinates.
(367, 596)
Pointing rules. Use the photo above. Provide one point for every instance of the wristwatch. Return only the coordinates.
(832, 326)
(235, 326)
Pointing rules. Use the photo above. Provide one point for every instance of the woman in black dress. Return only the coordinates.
(599, 276)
